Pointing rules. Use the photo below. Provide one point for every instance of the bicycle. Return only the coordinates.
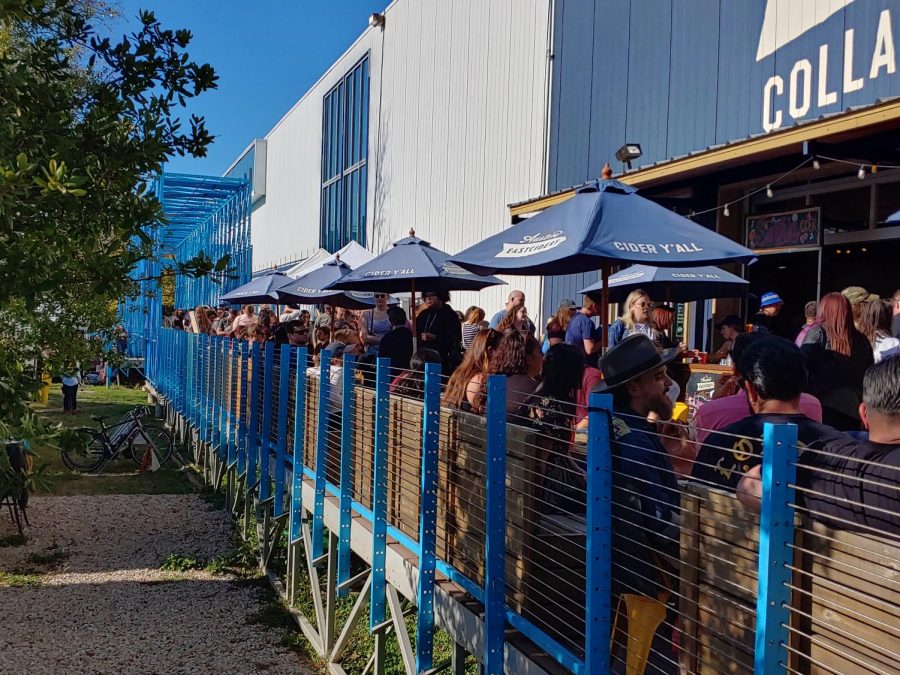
(94, 448)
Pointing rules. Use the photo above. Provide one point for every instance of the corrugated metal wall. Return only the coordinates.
(456, 132)
(680, 75)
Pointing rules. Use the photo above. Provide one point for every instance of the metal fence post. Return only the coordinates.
(253, 435)
(243, 411)
(296, 518)
(598, 548)
(495, 527)
(379, 493)
(431, 421)
(264, 442)
(284, 364)
(347, 415)
(233, 402)
(321, 451)
(776, 534)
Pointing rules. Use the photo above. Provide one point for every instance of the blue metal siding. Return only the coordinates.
(681, 76)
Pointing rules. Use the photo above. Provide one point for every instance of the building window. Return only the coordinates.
(345, 149)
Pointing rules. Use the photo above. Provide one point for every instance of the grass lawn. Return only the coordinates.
(118, 477)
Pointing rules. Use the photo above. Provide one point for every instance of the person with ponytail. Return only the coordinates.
(837, 357)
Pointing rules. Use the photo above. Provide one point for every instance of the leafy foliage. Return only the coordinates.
(86, 122)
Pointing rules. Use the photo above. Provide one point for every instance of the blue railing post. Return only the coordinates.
(495, 527)
(265, 442)
(296, 518)
(233, 401)
(243, 403)
(321, 450)
(379, 493)
(431, 422)
(776, 536)
(220, 396)
(598, 546)
(284, 383)
(253, 436)
(347, 416)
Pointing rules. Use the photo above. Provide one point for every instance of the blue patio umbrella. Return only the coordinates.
(410, 261)
(312, 288)
(602, 224)
(672, 284)
(258, 290)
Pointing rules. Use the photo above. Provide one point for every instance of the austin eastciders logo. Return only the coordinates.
(794, 94)
(532, 244)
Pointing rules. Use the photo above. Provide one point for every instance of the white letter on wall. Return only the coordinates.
(826, 97)
(769, 121)
(798, 110)
(884, 47)
(849, 83)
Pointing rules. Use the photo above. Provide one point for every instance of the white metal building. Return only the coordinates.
(436, 119)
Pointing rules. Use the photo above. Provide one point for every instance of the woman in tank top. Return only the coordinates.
(375, 324)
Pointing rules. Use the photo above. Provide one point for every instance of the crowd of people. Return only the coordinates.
(818, 380)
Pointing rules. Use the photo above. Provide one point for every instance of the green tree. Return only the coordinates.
(85, 124)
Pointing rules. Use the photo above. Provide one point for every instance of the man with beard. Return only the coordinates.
(645, 487)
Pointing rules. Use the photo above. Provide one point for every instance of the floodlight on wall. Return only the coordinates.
(376, 21)
(628, 153)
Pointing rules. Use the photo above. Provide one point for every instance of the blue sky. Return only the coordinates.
(267, 53)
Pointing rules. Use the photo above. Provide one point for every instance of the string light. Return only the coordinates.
(769, 192)
(726, 212)
(816, 164)
(861, 174)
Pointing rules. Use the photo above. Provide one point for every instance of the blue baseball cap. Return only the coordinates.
(769, 299)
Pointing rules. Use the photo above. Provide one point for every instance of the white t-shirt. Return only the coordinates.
(289, 316)
(885, 347)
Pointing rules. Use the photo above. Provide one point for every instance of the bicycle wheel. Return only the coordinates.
(151, 438)
(84, 450)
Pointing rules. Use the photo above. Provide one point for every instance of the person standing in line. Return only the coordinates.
(837, 357)
(397, 345)
(473, 323)
(515, 300)
(121, 340)
(583, 334)
(637, 318)
(558, 324)
(70, 381)
(810, 310)
(374, 324)
(769, 307)
(875, 324)
(438, 328)
(895, 322)
(729, 328)
(859, 299)
(290, 313)
(246, 319)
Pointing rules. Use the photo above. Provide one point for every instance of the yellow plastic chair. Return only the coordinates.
(644, 616)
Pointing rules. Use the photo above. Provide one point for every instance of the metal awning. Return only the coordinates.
(189, 201)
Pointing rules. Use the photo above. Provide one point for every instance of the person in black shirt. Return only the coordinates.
(397, 345)
(853, 484)
(773, 375)
(769, 307)
(439, 328)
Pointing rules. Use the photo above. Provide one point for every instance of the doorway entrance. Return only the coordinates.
(794, 276)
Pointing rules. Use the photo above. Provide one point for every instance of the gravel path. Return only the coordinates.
(106, 607)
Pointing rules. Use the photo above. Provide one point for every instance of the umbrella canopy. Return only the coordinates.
(258, 290)
(603, 222)
(353, 254)
(673, 284)
(410, 262)
(311, 288)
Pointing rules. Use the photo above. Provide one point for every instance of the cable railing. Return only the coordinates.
(586, 541)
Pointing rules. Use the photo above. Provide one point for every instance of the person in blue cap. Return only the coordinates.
(769, 307)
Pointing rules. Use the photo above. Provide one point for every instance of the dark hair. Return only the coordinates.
(443, 295)
(875, 321)
(510, 356)
(741, 342)
(396, 315)
(881, 387)
(562, 373)
(412, 383)
(775, 367)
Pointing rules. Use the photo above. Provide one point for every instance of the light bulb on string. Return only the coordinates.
(861, 174)
(816, 164)
(726, 212)
(769, 192)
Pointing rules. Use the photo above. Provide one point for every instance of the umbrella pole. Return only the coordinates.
(604, 303)
(412, 314)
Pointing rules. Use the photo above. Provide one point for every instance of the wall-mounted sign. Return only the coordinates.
(791, 229)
